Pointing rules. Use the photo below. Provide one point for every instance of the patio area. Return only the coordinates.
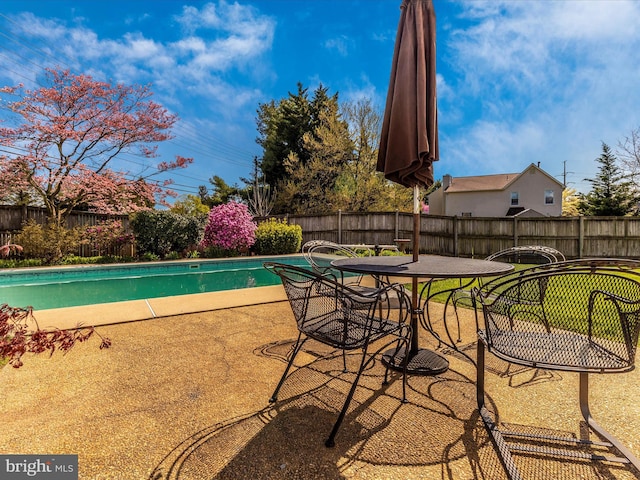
(186, 397)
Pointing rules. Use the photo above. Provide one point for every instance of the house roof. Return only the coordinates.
(523, 212)
(482, 182)
(513, 211)
(489, 182)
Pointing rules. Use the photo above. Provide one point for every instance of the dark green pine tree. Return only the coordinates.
(611, 194)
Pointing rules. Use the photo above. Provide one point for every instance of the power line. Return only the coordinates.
(194, 144)
(27, 45)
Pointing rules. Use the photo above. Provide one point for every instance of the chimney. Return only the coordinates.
(446, 181)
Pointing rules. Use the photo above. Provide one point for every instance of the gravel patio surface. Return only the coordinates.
(186, 397)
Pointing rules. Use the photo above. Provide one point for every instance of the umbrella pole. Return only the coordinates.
(416, 223)
(414, 280)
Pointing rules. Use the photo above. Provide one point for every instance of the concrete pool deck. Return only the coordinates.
(135, 310)
(185, 397)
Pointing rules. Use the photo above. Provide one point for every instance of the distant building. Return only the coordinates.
(532, 193)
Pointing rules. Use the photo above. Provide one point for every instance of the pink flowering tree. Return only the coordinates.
(230, 227)
(68, 134)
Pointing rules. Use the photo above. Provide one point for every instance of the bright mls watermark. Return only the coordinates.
(44, 467)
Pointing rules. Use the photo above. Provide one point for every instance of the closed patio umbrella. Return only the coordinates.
(409, 136)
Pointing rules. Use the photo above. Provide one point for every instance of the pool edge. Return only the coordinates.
(136, 310)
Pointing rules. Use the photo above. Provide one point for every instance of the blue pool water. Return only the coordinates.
(45, 288)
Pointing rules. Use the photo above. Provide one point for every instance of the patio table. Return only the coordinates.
(421, 361)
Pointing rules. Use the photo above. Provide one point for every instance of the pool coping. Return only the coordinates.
(136, 310)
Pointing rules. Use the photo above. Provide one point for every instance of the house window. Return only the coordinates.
(514, 198)
(548, 197)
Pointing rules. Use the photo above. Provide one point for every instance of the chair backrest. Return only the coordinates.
(587, 317)
(329, 311)
(525, 256)
(528, 254)
(320, 253)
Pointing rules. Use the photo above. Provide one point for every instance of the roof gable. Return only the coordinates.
(481, 182)
(491, 182)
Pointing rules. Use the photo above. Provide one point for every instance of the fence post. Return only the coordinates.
(396, 231)
(339, 226)
(580, 236)
(455, 236)
(515, 231)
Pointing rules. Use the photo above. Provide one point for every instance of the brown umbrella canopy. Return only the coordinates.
(409, 137)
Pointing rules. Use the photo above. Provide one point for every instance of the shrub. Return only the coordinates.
(76, 260)
(275, 237)
(149, 257)
(20, 263)
(230, 228)
(107, 236)
(49, 243)
(159, 232)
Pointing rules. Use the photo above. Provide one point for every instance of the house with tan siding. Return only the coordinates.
(531, 193)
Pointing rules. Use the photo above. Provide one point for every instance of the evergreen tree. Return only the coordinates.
(320, 156)
(282, 127)
(311, 186)
(611, 194)
(222, 192)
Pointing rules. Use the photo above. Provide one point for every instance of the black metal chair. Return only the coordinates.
(320, 253)
(334, 314)
(585, 320)
(529, 256)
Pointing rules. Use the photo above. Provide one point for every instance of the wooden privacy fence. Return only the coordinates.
(12, 218)
(576, 237)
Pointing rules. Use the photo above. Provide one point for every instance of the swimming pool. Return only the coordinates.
(58, 287)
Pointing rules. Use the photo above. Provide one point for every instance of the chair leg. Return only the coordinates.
(397, 349)
(296, 348)
(496, 437)
(405, 362)
(405, 365)
(586, 414)
(330, 442)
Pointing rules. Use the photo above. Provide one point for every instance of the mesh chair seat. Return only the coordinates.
(351, 334)
(559, 350)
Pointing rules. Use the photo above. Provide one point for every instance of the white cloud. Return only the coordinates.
(363, 90)
(340, 44)
(236, 19)
(552, 78)
(220, 39)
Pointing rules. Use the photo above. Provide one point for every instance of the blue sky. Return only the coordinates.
(519, 81)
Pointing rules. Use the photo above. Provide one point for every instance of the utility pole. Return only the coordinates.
(564, 174)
